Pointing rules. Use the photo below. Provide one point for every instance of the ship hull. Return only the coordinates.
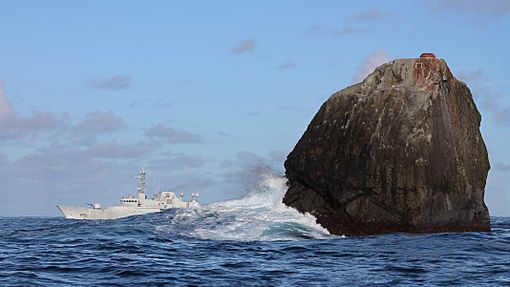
(114, 212)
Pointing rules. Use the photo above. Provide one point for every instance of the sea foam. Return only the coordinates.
(259, 216)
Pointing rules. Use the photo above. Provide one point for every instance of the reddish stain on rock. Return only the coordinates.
(426, 72)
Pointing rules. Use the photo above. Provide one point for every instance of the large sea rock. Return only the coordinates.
(399, 152)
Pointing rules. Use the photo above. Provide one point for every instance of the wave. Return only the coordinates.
(258, 216)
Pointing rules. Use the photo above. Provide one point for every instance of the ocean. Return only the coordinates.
(252, 241)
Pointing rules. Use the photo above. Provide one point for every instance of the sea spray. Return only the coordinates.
(259, 216)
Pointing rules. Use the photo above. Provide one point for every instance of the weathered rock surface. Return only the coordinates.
(399, 152)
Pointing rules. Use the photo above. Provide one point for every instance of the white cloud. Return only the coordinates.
(278, 156)
(488, 8)
(245, 46)
(5, 107)
(16, 126)
(318, 30)
(350, 30)
(115, 82)
(503, 116)
(485, 96)
(471, 77)
(113, 150)
(171, 135)
(253, 114)
(372, 15)
(291, 108)
(176, 161)
(482, 92)
(502, 166)
(98, 122)
(150, 103)
(287, 65)
(368, 65)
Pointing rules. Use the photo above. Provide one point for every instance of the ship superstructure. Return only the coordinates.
(132, 205)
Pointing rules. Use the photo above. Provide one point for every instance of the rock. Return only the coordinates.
(399, 152)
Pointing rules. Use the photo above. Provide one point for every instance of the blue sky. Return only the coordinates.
(202, 93)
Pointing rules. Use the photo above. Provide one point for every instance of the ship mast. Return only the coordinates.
(141, 181)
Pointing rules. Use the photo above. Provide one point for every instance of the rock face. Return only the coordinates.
(399, 152)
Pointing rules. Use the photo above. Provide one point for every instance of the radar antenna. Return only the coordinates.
(141, 181)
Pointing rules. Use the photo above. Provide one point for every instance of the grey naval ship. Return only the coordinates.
(132, 205)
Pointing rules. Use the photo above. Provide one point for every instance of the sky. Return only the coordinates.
(205, 94)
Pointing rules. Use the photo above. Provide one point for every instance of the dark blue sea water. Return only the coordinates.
(254, 241)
